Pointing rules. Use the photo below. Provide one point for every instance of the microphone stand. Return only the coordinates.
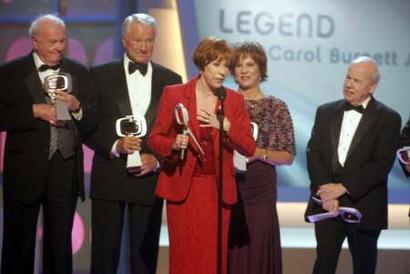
(221, 96)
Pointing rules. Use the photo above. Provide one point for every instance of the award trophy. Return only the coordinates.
(182, 117)
(240, 161)
(348, 214)
(132, 125)
(404, 155)
(59, 81)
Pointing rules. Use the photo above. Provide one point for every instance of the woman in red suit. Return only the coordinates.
(189, 184)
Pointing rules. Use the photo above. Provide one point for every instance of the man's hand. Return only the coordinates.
(149, 163)
(330, 191)
(70, 100)
(45, 112)
(128, 145)
(407, 168)
(331, 206)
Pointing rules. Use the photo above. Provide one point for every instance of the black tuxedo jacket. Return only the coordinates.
(109, 178)
(27, 141)
(405, 141)
(368, 163)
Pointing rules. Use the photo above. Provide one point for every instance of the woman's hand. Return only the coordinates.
(181, 142)
(211, 120)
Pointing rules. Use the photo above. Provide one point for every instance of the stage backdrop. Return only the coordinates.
(309, 46)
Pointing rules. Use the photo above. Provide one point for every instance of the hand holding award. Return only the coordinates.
(182, 118)
(136, 126)
(63, 82)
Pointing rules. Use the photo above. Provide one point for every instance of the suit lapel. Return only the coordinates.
(156, 89)
(190, 96)
(122, 98)
(189, 101)
(336, 127)
(364, 125)
(33, 82)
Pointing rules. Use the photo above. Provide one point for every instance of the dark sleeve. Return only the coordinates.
(315, 165)
(87, 97)
(16, 105)
(103, 136)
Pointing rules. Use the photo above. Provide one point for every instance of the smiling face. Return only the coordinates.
(215, 72)
(49, 41)
(247, 73)
(138, 41)
(360, 82)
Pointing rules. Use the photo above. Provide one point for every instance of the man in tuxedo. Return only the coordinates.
(43, 163)
(349, 156)
(130, 86)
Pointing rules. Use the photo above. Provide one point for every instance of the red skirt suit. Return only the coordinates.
(190, 186)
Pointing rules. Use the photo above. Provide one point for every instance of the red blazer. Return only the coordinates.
(175, 177)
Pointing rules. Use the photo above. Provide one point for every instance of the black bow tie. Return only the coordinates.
(132, 67)
(347, 106)
(45, 67)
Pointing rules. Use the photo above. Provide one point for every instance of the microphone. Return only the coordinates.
(222, 94)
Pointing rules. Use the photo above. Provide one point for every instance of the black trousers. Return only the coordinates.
(144, 229)
(330, 235)
(58, 201)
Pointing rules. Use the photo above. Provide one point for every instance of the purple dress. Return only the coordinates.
(254, 244)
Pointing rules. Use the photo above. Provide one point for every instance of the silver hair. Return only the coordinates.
(142, 18)
(33, 30)
(367, 59)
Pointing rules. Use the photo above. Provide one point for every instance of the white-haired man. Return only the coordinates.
(43, 165)
(349, 156)
(132, 85)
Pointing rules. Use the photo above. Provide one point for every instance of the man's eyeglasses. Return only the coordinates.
(348, 214)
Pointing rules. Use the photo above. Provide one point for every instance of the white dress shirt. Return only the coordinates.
(139, 92)
(351, 120)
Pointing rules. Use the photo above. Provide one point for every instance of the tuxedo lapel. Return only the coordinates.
(156, 89)
(336, 127)
(364, 125)
(121, 96)
(35, 88)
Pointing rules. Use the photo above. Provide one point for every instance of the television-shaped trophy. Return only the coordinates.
(240, 161)
(60, 81)
(404, 155)
(182, 118)
(132, 125)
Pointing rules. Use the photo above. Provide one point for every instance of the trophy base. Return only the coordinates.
(134, 170)
(134, 163)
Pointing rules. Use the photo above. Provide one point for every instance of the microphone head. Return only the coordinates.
(222, 93)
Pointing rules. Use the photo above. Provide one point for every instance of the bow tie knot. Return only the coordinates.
(132, 67)
(45, 67)
(348, 106)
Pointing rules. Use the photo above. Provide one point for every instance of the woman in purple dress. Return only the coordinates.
(254, 245)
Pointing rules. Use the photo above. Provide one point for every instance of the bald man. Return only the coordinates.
(349, 156)
(43, 158)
